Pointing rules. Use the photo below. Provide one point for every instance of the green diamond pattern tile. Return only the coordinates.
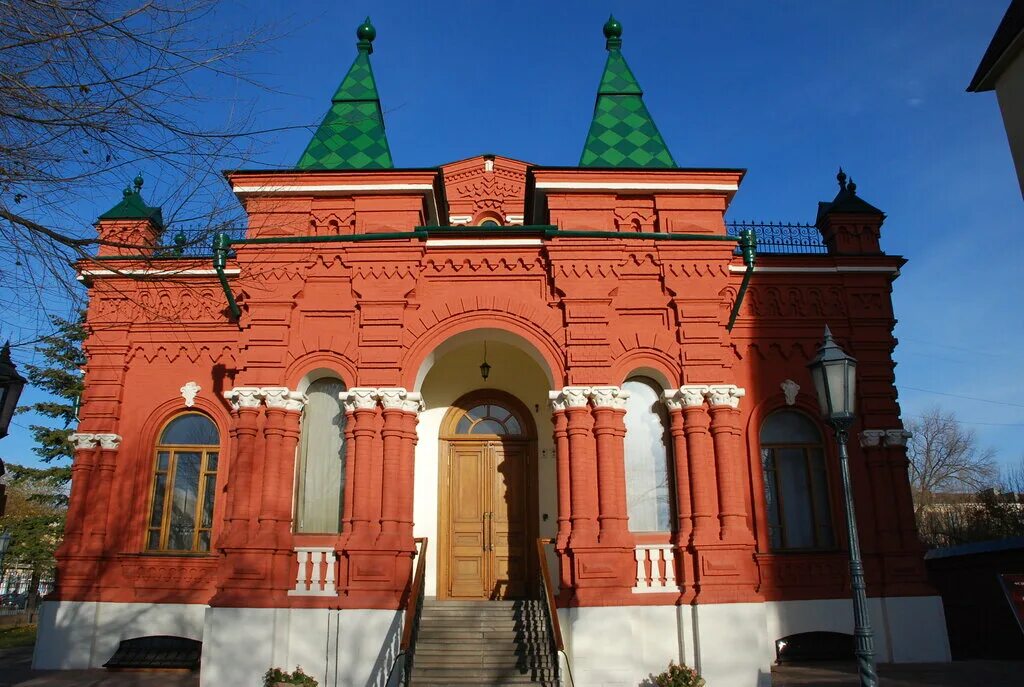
(623, 133)
(351, 135)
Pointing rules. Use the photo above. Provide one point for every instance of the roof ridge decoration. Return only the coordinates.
(351, 135)
(622, 133)
(132, 206)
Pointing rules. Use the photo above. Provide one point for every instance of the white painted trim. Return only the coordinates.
(329, 188)
(621, 186)
(460, 219)
(823, 270)
(452, 243)
(154, 272)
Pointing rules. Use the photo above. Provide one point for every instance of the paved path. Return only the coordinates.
(16, 671)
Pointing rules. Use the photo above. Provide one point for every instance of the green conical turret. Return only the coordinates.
(622, 133)
(351, 135)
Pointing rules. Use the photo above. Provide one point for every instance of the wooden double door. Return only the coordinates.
(487, 499)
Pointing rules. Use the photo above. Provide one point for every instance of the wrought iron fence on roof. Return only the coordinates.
(193, 243)
(782, 238)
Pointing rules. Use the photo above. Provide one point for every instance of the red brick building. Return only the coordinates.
(482, 354)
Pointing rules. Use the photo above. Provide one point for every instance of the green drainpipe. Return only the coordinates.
(748, 247)
(221, 246)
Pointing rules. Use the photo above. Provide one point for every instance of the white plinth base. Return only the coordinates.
(733, 645)
(346, 648)
(85, 634)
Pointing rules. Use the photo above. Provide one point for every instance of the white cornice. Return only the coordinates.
(475, 242)
(331, 188)
(632, 186)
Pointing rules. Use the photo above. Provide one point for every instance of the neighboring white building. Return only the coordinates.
(1002, 70)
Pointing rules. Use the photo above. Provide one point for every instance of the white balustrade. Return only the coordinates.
(655, 568)
(317, 566)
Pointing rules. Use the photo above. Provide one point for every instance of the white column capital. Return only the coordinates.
(108, 442)
(609, 397)
(692, 395)
(725, 395)
(359, 398)
(392, 397)
(244, 397)
(412, 403)
(284, 398)
(897, 437)
(570, 397)
(673, 399)
(870, 438)
(83, 440)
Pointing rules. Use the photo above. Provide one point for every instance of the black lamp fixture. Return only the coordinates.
(485, 369)
(11, 384)
(835, 379)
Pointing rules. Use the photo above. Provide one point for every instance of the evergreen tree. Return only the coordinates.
(61, 377)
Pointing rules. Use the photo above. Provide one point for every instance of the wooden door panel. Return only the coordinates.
(508, 504)
(467, 563)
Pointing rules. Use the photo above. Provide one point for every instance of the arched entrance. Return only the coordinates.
(488, 498)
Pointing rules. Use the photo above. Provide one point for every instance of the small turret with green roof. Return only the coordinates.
(351, 135)
(132, 207)
(622, 133)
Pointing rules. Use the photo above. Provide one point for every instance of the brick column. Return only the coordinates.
(100, 488)
(412, 404)
(681, 468)
(732, 505)
(363, 404)
(82, 468)
(561, 424)
(393, 433)
(281, 433)
(582, 467)
(700, 452)
(610, 431)
(245, 404)
(348, 473)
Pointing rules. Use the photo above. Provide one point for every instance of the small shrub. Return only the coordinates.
(679, 676)
(276, 676)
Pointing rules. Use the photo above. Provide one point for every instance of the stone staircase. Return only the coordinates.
(483, 643)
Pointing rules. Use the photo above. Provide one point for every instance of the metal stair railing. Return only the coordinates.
(549, 605)
(411, 618)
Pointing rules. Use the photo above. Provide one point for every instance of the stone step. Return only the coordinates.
(485, 660)
(484, 675)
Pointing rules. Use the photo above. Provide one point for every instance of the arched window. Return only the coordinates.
(489, 418)
(181, 514)
(648, 487)
(322, 459)
(795, 482)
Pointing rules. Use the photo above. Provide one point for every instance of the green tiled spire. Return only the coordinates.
(352, 133)
(622, 133)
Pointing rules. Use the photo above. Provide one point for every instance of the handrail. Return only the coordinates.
(409, 616)
(414, 594)
(549, 597)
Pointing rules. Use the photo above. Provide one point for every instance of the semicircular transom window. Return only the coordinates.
(491, 419)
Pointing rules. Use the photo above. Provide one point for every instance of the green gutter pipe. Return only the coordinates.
(748, 246)
(221, 246)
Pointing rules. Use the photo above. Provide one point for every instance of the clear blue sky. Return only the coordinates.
(787, 90)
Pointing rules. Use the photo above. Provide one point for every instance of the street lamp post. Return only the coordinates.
(834, 375)
(11, 384)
